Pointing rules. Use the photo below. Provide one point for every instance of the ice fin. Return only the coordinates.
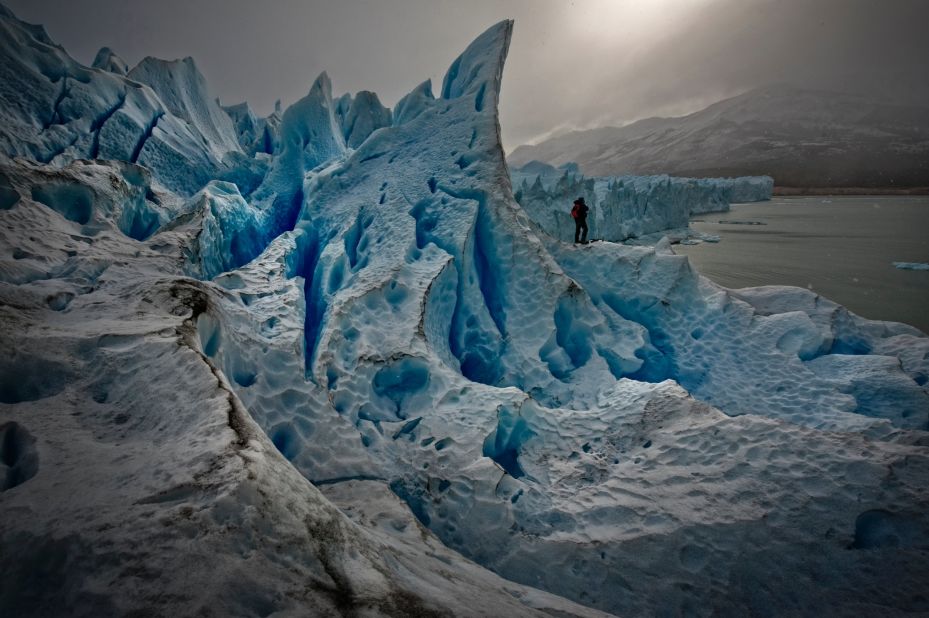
(311, 125)
(107, 60)
(365, 116)
(413, 104)
(480, 64)
(341, 107)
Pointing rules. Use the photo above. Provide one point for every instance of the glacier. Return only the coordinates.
(324, 362)
(627, 208)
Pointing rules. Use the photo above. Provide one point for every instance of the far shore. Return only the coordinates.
(851, 190)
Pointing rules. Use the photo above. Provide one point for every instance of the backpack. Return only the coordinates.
(576, 211)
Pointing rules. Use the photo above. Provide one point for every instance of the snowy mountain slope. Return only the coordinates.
(801, 137)
(599, 422)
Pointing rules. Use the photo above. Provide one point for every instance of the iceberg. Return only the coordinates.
(911, 265)
(358, 378)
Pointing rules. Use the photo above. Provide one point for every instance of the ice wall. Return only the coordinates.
(748, 188)
(626, 207)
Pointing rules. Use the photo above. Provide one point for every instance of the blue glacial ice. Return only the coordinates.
(360, 116)
(255, 134)
(351, 295)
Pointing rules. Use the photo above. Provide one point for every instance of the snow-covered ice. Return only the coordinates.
(331, 366)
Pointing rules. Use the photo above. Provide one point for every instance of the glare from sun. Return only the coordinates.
(606, 23)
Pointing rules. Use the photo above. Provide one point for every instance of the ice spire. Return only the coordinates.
(108, 60)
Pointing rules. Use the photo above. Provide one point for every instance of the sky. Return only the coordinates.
(573, 64)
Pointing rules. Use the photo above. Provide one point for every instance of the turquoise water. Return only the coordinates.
(840, 247)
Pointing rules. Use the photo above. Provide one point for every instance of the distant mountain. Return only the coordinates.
(803, 138)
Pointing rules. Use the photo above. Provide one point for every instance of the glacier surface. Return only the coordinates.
(323, 362)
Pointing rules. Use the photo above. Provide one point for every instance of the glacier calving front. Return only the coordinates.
(627, 208)
(201, 303)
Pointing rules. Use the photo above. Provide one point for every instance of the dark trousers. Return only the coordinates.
(580, 224)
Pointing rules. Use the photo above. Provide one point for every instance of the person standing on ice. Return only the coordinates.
(579, 212)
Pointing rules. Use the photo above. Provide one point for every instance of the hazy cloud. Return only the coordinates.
(573, 64)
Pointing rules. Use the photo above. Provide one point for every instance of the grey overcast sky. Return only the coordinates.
(572, 63)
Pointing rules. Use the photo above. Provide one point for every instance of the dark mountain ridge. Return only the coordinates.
(801, 137)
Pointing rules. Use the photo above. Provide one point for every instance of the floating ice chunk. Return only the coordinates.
(911, 265)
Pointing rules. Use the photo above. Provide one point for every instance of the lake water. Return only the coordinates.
(841, 247)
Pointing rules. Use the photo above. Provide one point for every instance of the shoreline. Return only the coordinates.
(817, 191)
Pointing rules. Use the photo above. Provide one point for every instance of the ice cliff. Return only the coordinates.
(324, 363)
(626, 207)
